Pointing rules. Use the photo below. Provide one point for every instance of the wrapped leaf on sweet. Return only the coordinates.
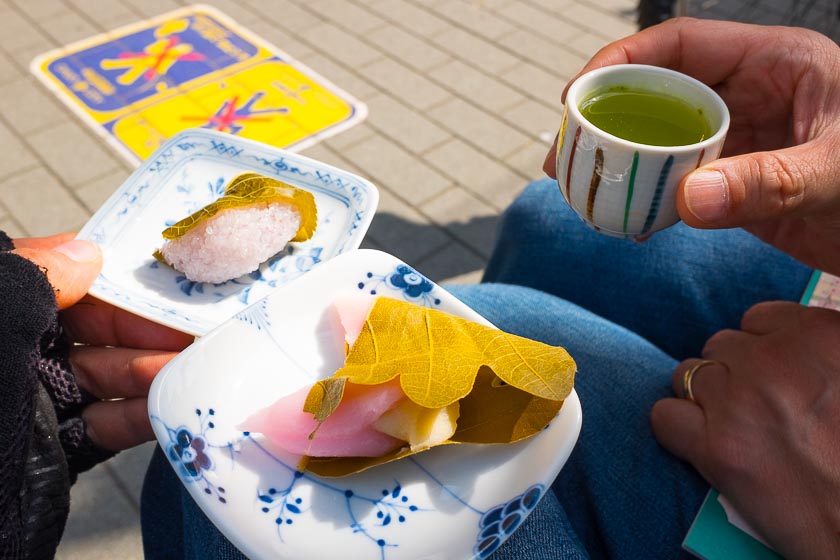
(449, 380)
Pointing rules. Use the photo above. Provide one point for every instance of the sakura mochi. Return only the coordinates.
(415, 378)
(254, 220)
(370, 421)
(348, 432)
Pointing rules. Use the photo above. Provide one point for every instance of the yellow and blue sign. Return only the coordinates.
(141, 84)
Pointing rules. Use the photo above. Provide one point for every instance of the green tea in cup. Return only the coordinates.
(645, 117)
(630, 134)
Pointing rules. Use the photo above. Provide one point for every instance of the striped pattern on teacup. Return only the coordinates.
(596, 175)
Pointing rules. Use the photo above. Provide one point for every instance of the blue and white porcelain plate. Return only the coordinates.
(449, 503)
(185, 174)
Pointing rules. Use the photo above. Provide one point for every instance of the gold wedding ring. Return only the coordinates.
(689, 375)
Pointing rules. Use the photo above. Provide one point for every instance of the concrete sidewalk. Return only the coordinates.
(464, 100)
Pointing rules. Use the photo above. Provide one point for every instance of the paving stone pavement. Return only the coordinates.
(464, 100)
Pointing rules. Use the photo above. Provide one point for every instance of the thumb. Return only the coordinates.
(747, 189)
(71, 267)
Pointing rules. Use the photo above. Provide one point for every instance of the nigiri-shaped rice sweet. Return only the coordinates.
(255, 219)
(348, 432)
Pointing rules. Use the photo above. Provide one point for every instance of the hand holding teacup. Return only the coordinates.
(630, 134)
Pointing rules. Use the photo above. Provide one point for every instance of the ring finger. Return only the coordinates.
(701, 377)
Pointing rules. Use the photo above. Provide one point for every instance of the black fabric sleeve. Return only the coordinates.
(34, 477)
(5, 242)
(43, 440)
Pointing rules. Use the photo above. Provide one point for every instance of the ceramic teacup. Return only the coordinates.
(620, 187)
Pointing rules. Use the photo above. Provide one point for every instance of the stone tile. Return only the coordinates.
(535, 118)
(622, 8)
(68, 27)
(24, 56)
(281, 39)
(153, 8)
(17, 32)
(323, 153)
(529, 160)
(476, 86)
(405, 126)
(73, 154)
(392, 167)
(347, 15)
(345, 47)
(95, 192)
(28, 108)
(242, 14)
(41, 204)
(466, 217)
(349, 137)
(283, 13)
(103, 523)
(319, 152)
(39, 9)
(535, 20)
(405, 47)
(476, 50)
(452, 261)
(12, 228)
(550, 56)
(543, 85)
(340, 75)
(405, 84)
(601, 22)
(16, 156)
(495, 5)
(587, 44)
(368, 243)
(484, 176)
(473, 277)
(107, 14)
(9, 70)
(475, 17)
(338, 158)
(129, 468)
(399, 229)
(415, 18)
(479, 128)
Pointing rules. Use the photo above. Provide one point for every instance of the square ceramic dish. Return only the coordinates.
(188, 172)
(452, 502)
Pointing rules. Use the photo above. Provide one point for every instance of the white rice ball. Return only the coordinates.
(233, 242)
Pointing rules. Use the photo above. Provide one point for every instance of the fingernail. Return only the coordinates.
(79, 250)
(707, 196)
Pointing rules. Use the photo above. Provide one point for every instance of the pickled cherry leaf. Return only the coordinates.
(248, 189)
(437, 355)
(494, 413)
(508, 387)
(324, 398)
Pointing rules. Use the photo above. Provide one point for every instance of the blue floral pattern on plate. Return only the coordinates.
(188, 172)
(412, 285)
(468, 498)
(189, 453)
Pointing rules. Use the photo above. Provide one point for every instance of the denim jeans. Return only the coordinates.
(628, 313)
